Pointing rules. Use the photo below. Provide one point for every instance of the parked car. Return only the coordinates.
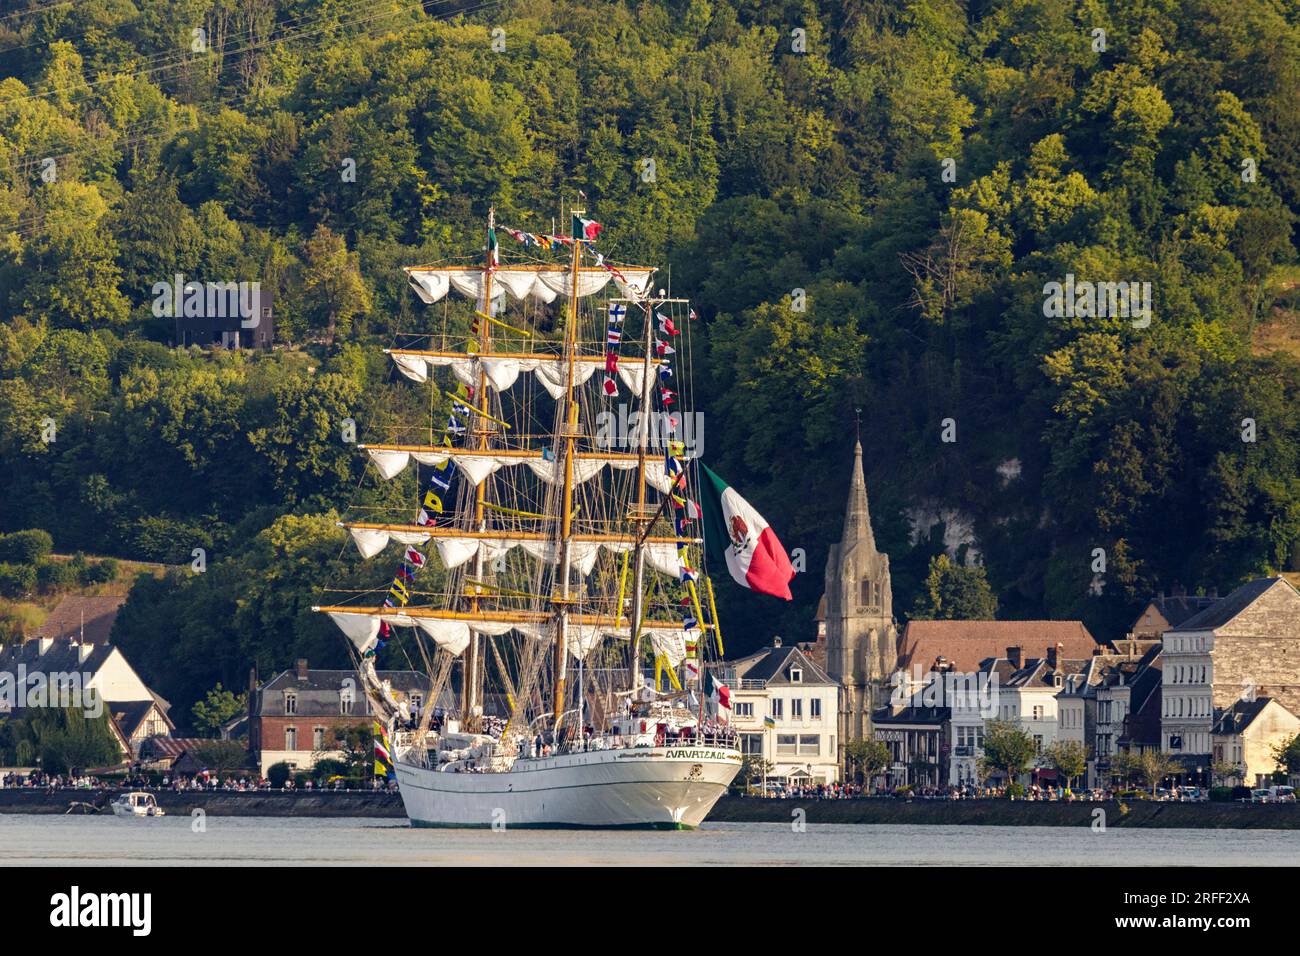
(1260, 796)
(1281, 794)
(1191, 794)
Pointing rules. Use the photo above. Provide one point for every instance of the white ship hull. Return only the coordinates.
(665, 787)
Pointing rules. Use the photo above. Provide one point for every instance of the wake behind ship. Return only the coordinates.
(551, 552)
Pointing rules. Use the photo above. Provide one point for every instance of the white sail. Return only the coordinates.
(544, 283)
(452, 633)
(503, 371)
(477, 465)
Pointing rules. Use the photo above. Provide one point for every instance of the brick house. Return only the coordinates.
(294, 716)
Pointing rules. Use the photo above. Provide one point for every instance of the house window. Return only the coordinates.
(291, 704)
(347, 696)
(417, 700)
(291, 738)
(796, 709)
(1038, 712)
(815, 708)
(1038, 743)
(744, 708)
(318, 738)
(778, 707)
(809, 745)
(787, 744)
(796, 675)
(751, 744)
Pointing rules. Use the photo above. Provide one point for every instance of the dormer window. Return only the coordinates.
(290, 704)
(796, 675)
(347, 697)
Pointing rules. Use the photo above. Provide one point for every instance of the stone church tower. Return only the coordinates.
(861, 639)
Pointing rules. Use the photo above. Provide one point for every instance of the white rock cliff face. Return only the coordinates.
(958, 530)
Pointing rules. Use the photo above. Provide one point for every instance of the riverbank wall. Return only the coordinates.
(985, 813)
(301, 803)
(226, 803)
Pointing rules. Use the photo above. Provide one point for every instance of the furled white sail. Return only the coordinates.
(501, 372)
(477, 466)
(520, 282)
(452, 635)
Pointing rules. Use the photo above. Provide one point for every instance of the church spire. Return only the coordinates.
(857, 517)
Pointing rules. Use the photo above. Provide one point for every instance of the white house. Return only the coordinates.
(48, 671)
(785, 708)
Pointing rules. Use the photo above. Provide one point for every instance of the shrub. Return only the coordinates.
(324, 769)
(101, 572)
(1220, 794)
(17, 580)
(55, 575)
(25, 547)
(277, 774)
(1016, 791)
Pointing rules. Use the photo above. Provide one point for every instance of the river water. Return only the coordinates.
(80, 840)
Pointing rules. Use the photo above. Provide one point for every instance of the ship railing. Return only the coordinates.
(599, 742)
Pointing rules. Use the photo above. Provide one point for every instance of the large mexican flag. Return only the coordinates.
(732, 527)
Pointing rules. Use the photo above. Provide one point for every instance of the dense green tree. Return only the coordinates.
(955, 592)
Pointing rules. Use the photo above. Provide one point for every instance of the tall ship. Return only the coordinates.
(550, 575)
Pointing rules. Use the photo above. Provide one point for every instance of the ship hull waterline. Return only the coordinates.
(641, 787)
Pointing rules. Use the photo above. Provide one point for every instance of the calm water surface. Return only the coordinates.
(266, 841)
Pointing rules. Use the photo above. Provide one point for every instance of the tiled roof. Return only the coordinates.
(966, 643)
(1242, 713)
(129, 714)
(317, 693)
(66, 619)
(61, 657)
(1217, 615)
(1178, 608)
(773, 665)
(912, 715)
(1036, 673)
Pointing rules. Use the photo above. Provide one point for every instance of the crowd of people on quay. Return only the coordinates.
(36, 780)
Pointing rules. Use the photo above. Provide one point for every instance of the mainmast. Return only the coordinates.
(471, 691)
(569, 433)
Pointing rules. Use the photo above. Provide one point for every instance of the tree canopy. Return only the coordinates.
(865, 200)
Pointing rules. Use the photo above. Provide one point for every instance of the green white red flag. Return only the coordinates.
(732, 527)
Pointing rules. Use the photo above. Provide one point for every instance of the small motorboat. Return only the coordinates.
(136, 804)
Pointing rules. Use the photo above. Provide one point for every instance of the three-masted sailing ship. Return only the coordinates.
(555, 556)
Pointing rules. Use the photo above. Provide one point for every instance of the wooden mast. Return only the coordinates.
(471, 689)
(569, 431)
(642, 440)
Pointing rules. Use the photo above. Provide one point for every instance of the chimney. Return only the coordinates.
(301, 668)
(1013, 655)
(1052, 658)
(776, 642)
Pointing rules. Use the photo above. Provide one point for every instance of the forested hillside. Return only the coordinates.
(911, 174)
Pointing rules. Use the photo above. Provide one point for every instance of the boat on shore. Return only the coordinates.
(136, 804)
